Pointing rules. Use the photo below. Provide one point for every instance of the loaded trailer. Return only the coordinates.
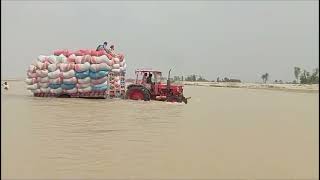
(111, 92)
(83, 73)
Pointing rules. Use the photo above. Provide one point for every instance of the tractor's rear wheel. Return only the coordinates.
(138, 93)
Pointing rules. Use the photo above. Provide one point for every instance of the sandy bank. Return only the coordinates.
(313, 88)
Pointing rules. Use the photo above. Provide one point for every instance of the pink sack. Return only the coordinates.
(68, 53)
(64, 67)
(55, 81)
(109, 56)
(32, 75)
(39, 65)
(65, 52)
(42, 80)
(82, 67)
(86, 58)
(97, 53)
(116, 66)
(79, 53)
(46, 64)
(68, 74)
(85, 51)
(71, 58)
(81, 86)
(116, 60)
(110, 62)
(31, 81)
(44, 73)
(94, 53)
(78, 60)
(55, 74)
(121, 57)
(84, 90)
(72, 80)
(93, 60)
(100, 67)
(57, 52)
(100, 53)
(99, 81)
(32, 68)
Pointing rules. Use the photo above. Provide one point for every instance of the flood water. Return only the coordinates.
(222, 133)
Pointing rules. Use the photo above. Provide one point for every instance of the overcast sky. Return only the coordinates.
(226, 39)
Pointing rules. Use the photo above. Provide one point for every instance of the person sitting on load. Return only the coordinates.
(149, 79)
(103, 47)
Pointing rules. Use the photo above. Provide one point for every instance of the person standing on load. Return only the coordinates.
(103, 47)
(111, 51)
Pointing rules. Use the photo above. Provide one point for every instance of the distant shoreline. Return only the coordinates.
(306, 88)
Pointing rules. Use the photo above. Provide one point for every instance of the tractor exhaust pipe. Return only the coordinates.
(168, 81)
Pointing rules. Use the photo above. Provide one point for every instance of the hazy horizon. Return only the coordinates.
(239, 40)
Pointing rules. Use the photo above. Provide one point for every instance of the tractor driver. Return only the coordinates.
(144, 78)
(149, 79)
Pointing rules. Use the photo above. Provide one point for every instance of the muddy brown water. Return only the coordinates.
(221, 133)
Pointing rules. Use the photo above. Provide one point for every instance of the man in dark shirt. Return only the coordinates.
(149, 79)
(103, 47)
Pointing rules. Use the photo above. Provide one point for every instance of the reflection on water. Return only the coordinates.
(221, 133)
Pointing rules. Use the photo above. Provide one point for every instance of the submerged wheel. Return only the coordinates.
(138, 93)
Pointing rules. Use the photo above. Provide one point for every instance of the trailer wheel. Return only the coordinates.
(138, 93)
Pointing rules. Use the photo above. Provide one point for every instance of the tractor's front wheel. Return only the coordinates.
(138, 93)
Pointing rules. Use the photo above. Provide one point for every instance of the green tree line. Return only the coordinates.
(305, 77)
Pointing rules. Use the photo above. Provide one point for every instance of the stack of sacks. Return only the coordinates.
(82, 72)
(43, 78)
(54, 76)
(31, 80)
(69, 80)
(99, 70)
(119, 69)
(37, 76)
(71, 72)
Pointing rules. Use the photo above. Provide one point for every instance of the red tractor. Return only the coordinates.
(146, 90)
